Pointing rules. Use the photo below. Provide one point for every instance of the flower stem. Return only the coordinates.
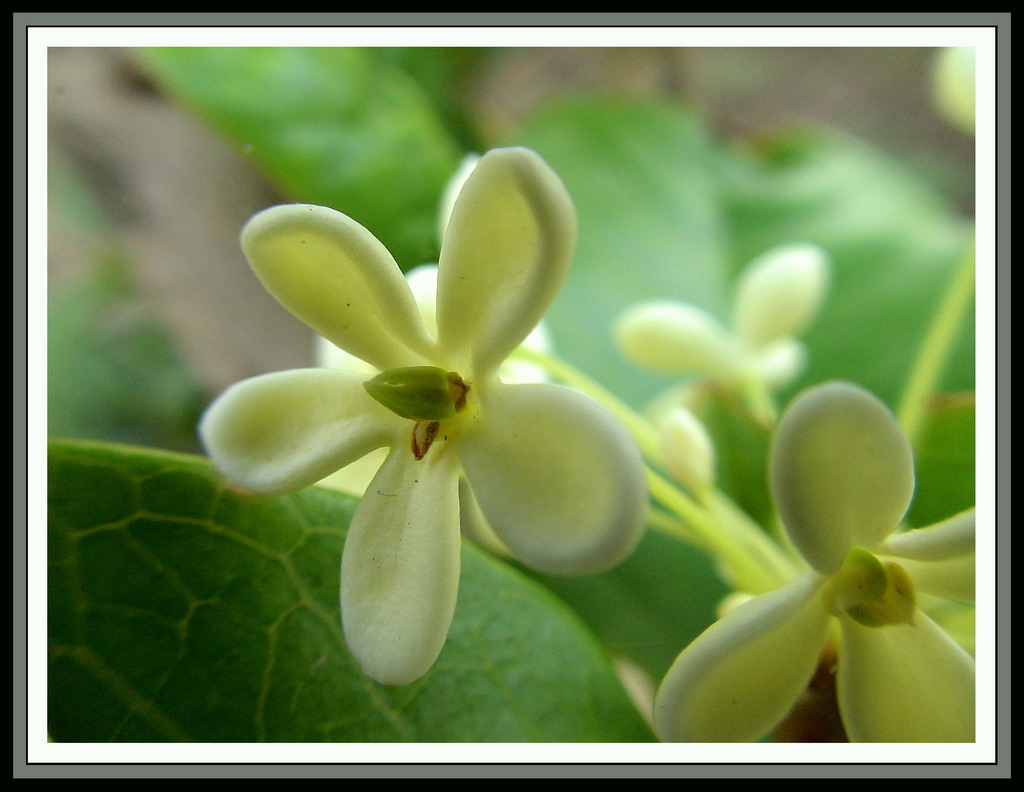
(934, 351)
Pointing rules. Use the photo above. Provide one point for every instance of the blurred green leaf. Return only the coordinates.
(667, 214)
(894, 243)
(113, 372)
(944, 460)
(652, 605)
(444, 74)
(334, 126)
(180, 609)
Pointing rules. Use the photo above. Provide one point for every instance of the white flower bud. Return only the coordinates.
(676, 338)
(688, 450)
(779, 293)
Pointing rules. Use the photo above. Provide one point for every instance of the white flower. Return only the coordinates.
(558, 479)
(777, 296)
(842, 475)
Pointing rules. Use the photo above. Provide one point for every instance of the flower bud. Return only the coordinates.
(779, 293)
(688, 451)
(676, 338)
(420, 393)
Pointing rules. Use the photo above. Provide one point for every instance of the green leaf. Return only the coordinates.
(666, 213)
(330, 125)
(183, 610)
(649, 608)
(944, 459)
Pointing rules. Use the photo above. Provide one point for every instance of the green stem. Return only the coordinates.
(932, 357)
(755, 563)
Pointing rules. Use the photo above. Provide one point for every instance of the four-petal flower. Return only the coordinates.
(558, 479)
(842, 475)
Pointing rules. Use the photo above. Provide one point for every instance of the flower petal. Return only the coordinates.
(942, 541)
(475, 526)
(676, 338)
(904, 683)
(743, 674)
(505, 254)
(842, 472)
(336, 277)
(953, 579)
(779, 293)
(283, 431)
(400, 566)
(560, 481)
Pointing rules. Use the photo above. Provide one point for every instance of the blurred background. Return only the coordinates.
(152, 309)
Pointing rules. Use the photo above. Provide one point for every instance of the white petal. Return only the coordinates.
(335, 276)
(905, 683)
(400, 566)
(328, 355)
(676, 338)
(475, 526)
(952, 579)
(743, 674)
(505, 254)
(842, 472)
(423, 282)
(558, 478)
(283, 431)
(356, 477)
(452, 190)
(948, 539)
(779, 293)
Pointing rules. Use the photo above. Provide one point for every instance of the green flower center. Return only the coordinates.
(871, 592)
(427, 395)
(420, 393)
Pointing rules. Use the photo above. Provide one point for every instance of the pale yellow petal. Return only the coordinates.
(743, 674)
(557, 477)
(842, 472)
(283, 431)
(903, 683)
(400, 566)
(506, 251)
(335, 276)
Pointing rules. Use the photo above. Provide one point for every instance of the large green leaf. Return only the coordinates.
(667, 214)
(331, 125)
(650, 607)
(183, 610)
